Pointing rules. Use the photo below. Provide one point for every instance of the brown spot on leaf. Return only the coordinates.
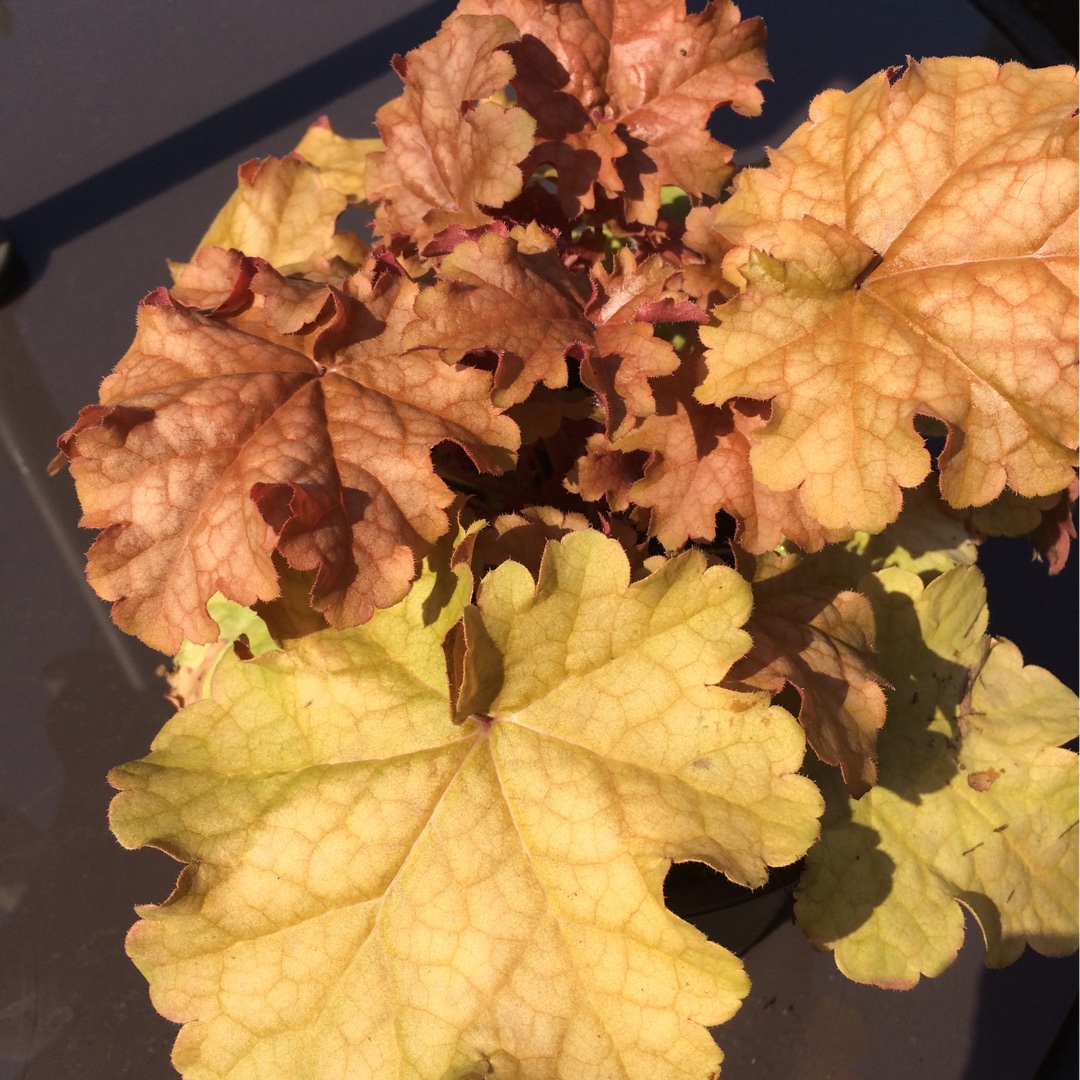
(982, 781)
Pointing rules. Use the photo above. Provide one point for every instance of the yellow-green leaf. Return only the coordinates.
(194, 665)
(342, 162)
(284, 210)
(374, 891)
(976, 804)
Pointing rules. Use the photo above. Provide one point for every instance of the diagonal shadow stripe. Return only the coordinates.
(146, 174)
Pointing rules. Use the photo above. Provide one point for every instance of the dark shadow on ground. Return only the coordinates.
(40, 229)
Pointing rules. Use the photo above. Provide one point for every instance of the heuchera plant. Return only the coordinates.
(485, 550)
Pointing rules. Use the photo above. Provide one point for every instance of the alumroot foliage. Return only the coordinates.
(510, 524)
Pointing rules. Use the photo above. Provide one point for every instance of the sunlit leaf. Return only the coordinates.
(284, 210)
(622, 91)
(290, 419)
(911, 249)
(374, 891)
(449, 151)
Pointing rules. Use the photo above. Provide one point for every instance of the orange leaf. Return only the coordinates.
(448, 151)
(701, 465)
(224, 435)
(524, 306)
(915, 253)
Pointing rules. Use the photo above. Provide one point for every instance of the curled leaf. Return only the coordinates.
(343, 163)
(284, 210)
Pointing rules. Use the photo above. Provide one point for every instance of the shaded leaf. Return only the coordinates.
(374, 890)
(1053, 536)
(603, 472)
(524, 306)
(821, 642)
(622, 92)
(911, 249)
(626, 352)
(1047, 520)
(975, 805)
(223, 436)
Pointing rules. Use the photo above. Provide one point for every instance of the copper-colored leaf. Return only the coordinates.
(919, 243)
(701, 465)
(603, 472)
(448, 151)
(622, 91)
(510, 294)
(627, 353)
(524, 306)
(821, 642)
(222, 436)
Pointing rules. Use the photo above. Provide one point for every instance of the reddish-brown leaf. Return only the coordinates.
(226, 434)
(449, 152)
(622, 91)
(627, 353)
(821, 642)
(603, 472)
(1052, 537)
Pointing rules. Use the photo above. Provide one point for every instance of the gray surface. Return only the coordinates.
(102, 106)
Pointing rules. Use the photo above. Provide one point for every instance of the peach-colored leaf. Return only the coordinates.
(914, 250)
(225, 435)
(622, 91)
(449, 152)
